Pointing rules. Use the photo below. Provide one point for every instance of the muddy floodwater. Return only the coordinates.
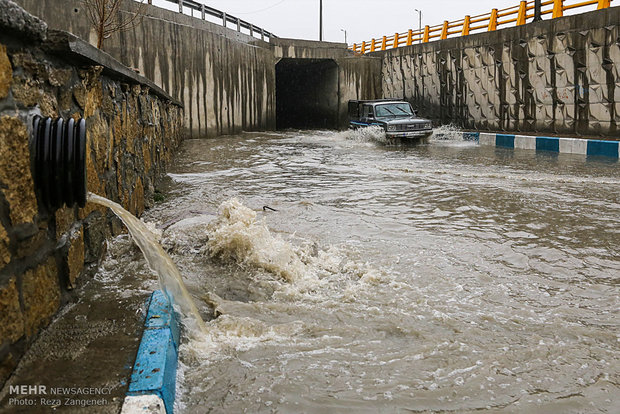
(338, 274)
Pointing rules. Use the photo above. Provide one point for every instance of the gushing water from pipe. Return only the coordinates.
(158, 260)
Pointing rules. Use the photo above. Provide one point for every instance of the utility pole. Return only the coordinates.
(320, 20)
(345, 35)
(420, 22)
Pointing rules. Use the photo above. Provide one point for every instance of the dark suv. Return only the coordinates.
(396, 117)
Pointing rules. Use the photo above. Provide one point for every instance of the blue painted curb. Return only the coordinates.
(587, 147)
(155, 369)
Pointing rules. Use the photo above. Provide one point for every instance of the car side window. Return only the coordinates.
(368, 112)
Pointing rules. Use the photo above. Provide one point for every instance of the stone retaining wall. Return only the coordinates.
(132, 128)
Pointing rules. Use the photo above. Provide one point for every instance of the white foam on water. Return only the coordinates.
(363, 135)
(238, 236)
(447, 133)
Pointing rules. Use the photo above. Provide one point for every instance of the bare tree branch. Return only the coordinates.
(105, 16)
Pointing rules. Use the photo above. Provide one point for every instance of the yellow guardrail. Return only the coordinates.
(517, 15)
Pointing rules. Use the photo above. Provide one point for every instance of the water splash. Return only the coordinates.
(362, 135)
(447, 133)
(236, 235)
(158, 260)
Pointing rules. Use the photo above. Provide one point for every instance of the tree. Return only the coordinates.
(105, 16)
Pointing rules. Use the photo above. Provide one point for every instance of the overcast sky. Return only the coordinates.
(362, 19)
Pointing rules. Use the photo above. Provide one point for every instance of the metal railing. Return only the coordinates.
(518, 15)
(224, 17)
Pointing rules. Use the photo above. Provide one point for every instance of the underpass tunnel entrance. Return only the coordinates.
(307, 94)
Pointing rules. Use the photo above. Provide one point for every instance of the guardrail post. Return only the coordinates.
(181, 6)
(251, 30)
(466, 24)
(427, 33)
(262, 35)
(538, 10)
(224, 19)
(384, 42)
(444, 30)
(150, 1)
(355, 47)
(238, 24)
(396, 41)
(521, 18)
(203, 14)
(493, 21)
(363, 51)
(603, 4)
(410, 37)
(372, 45)
(558, 8)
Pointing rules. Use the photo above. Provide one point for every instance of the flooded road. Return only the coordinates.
(390, 279)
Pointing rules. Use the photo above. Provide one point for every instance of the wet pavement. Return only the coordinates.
(85, 357)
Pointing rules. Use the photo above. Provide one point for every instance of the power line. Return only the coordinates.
(264, 9)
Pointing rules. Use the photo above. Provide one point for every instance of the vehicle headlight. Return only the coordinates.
(391, 128)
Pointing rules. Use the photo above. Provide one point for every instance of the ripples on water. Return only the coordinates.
(445, 277)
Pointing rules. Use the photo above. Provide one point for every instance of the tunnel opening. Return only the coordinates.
(307, 94)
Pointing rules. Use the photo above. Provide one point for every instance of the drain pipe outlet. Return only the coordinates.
(59, 149)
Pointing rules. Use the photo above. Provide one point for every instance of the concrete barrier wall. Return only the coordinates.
(132, 129)
(554, 76)
(225, 79)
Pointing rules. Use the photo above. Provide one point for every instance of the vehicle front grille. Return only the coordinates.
(410, 127)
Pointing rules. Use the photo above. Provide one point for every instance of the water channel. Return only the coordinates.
(339, 274)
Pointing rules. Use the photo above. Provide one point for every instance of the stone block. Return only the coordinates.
(32, 67)
(65, 216)
(75, 256)
(7, 365)
(59, 77)
(11, 317)
(15, 175)
(28, 244)
(27, 91)
(6, 73)
(137, 198)
(41, 295)
(5, 253)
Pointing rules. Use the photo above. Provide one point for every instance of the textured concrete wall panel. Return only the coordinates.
(555, 76)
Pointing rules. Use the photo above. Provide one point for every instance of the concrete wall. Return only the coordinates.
(554, 76)
(132, 128)
(225, 79)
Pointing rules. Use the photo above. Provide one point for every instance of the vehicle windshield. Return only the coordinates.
(393, 109)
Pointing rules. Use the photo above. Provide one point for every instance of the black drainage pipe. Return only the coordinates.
(59, 162)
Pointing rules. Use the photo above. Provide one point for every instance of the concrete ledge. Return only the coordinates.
(70, 46)
(589, 147)
(154, 372)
